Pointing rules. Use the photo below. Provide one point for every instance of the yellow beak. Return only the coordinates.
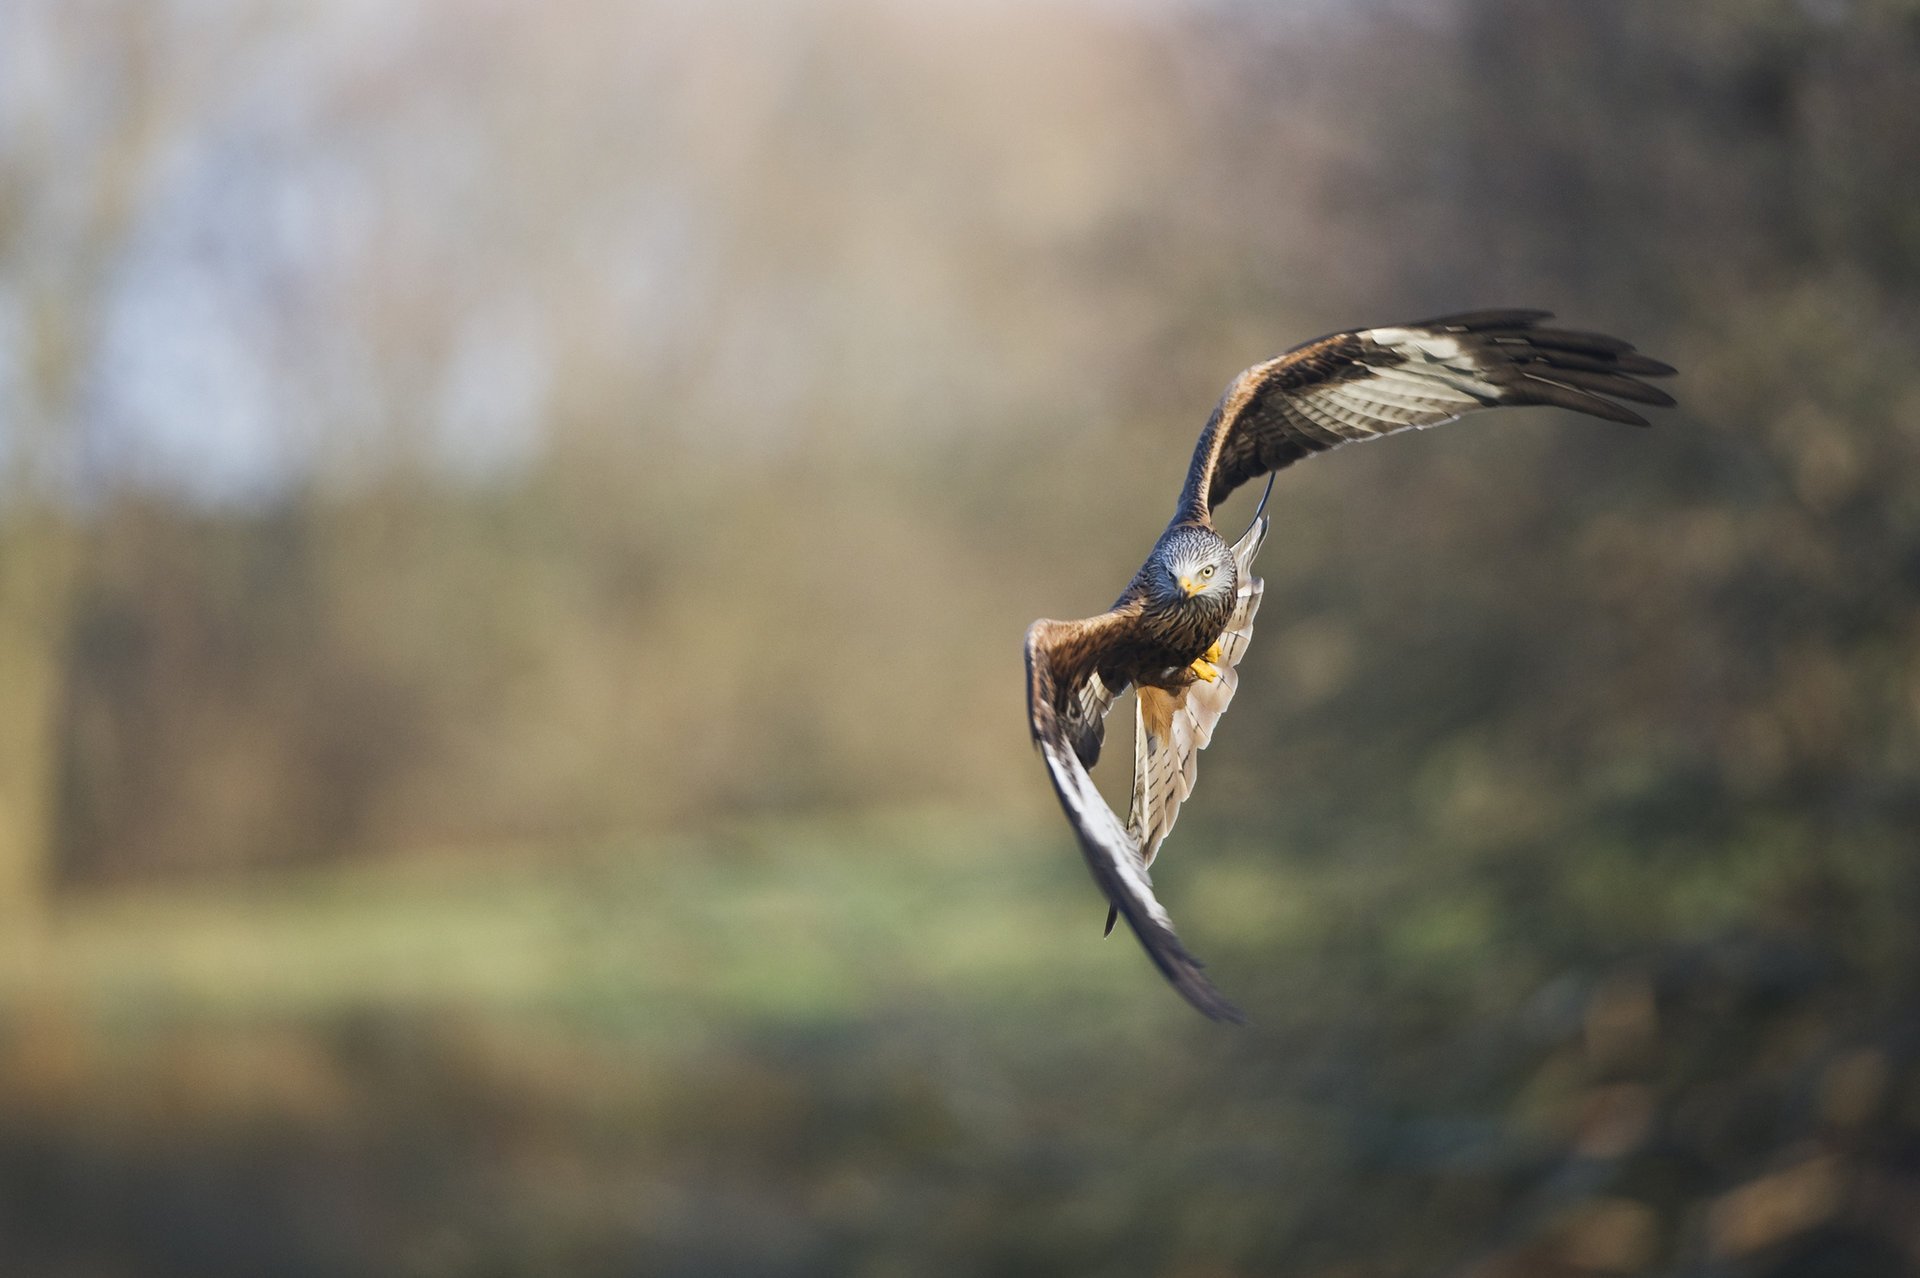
(1187, 584)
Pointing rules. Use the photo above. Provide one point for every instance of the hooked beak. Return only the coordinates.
(1189, 585)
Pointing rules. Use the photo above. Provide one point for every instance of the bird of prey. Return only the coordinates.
(1179, 629)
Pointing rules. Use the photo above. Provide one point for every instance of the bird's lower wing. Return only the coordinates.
(1054, 658)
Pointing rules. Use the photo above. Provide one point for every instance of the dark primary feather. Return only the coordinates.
(1373, 382)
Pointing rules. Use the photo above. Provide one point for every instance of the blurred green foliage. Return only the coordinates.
(569, 810)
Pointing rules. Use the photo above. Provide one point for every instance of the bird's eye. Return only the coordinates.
(1207, 571)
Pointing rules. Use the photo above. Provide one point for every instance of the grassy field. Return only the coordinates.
(767, 1045)
(664, 941)
(899, 1045)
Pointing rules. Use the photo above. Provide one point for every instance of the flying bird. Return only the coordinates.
(1179, 629)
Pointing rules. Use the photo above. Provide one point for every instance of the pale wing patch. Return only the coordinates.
(1439, 347)
(1435, 379)
(1419, 392)
(1370, 410)
(1395, 397)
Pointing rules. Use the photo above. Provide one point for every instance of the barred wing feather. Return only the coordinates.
(1379, 381)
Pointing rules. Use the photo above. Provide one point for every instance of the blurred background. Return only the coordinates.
(516, 525)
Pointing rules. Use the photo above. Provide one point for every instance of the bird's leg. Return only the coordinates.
(1205, 669)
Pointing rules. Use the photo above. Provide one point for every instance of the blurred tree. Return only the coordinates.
(73, 186)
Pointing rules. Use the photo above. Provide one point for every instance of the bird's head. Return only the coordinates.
(1192, 563)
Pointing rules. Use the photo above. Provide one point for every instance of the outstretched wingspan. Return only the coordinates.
(1179, 638)
(1061, 657)
(1362, 385)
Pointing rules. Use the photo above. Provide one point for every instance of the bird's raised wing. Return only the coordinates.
(1377, 381)
(1171, 728)
(1061, 657)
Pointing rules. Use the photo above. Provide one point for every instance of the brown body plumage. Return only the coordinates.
(1179, 629)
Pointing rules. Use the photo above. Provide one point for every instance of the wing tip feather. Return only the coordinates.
(1105, 847)
(1183, 971)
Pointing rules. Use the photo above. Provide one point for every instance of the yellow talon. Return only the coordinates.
(1212, 654)
(1205, 670)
